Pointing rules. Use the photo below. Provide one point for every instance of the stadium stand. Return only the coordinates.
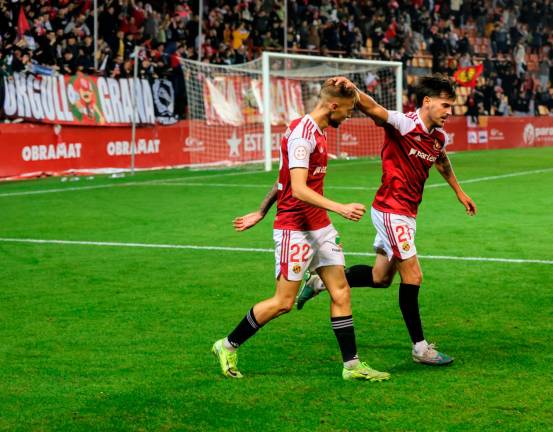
(511, 39)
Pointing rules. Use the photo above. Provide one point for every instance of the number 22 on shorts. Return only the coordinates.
(299, 253)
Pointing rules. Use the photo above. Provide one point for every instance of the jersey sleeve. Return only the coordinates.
(299, 150)
(400, 122)
(447, 138)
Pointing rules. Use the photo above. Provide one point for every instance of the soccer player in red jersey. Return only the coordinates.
(413, 143)
(304, 236)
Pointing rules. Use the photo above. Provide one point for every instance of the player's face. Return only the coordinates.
(340, 110)
(439, 109)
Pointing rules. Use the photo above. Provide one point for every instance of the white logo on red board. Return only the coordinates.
(529, 134)
(348, 139)
(192, 144)
(234, 145)
(125, 148)
(51, 152)
(496, 134)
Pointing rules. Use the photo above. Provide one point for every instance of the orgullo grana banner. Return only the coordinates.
(78, 100)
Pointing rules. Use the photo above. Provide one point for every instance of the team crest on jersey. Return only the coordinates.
(296, 269)
(437, 145)
(406, 247)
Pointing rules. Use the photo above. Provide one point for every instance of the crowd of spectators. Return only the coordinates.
(56, 36)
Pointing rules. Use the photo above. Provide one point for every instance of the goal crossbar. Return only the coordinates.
(266, 70)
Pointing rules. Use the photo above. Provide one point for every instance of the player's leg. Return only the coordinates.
(288, 274)
(380, 275)
(263, 312)
(342, 323)
(411, 280)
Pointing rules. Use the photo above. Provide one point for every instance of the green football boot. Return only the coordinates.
(307, 289)
(227, 360)
(364, 372)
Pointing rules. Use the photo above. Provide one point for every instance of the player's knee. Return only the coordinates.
(341, 294)
(415, 278)
(285, 305)
(382, 281)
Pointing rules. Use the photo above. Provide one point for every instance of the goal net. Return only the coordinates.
(237, 114)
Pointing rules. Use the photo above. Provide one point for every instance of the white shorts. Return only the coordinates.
(395, 234)
(298, 251)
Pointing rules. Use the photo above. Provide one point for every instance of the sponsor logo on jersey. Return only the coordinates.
(296, 269)
(419, 154)
(406, 247)
(319, 170)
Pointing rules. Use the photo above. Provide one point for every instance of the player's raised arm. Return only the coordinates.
(300, 190)
(242, 223)
(366, 104)
(443, 165)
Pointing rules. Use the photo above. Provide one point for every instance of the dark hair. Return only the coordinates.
(434, 85)
(330, 89)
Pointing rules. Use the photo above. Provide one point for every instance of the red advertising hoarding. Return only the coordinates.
(29, 150)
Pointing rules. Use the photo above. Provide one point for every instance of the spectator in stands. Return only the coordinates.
(519, 56)
(236, 31)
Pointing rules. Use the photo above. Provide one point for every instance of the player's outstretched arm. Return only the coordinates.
(300, 190)
(443, 165)
(366, 104)
(242, 223)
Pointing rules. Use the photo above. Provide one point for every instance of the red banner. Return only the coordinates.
(28, 150)
(237, 100)
(467, 76)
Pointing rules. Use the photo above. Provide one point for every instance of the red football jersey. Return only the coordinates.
(302, 146)
(408, 153)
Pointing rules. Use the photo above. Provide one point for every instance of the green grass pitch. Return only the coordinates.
(97, 337)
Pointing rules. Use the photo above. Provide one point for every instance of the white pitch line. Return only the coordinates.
(432, 185)
(171, 182)
(263, 250)
(133, 183)
(263, 186)
(497, 177)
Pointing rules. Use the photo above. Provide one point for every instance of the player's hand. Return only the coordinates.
(353, 211)
(470, 207)
(343, 80)
(242, 223)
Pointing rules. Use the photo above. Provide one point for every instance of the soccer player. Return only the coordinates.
(413, 143)
(304, 236)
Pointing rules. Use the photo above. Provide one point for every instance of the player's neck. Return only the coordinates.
(320, 117)
(425, 117)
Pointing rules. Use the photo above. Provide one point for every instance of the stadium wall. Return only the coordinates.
(32, 150)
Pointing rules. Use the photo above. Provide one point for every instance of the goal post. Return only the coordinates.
(365, 65)
(238, 113)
